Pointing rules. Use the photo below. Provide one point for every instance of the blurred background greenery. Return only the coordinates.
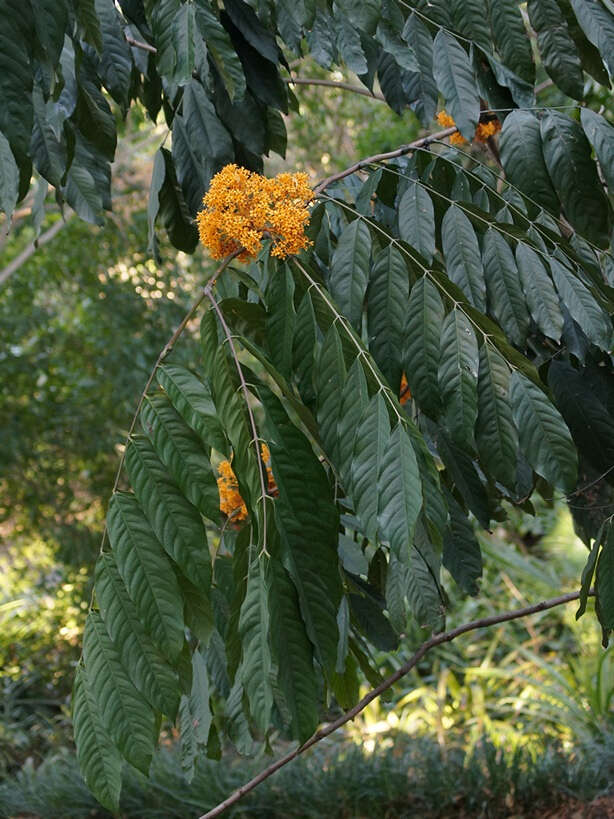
(510, 721)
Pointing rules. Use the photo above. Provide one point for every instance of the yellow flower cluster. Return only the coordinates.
(482, 132)
(243, 207)
(231, 502)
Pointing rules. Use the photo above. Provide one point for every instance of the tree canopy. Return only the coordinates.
(439, 350)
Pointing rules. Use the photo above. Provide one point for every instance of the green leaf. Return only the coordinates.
(386, 306)
(181, 451)
(587, 574)
(470, 18)
(456, 81)
(423, 591)
(88, 23)
(520, 144)
(370, 443)
(175, 521)
(568, 158)
(601, 136)
(330, 378)
(116, 57)
(210, 139)
(303, 348)
(221, 50)
(195, 717)
(124, 714)
(420, 87)
(148, 671)
(308, 524)
(147, 574)
(193, 401)
(392, 44)
(396, 589)
(598, 25)
(462, 255)
(367, 613)
(354, 398)
(425, 315)
(153, 203)
(50, 23)
(604, 587)
(544, 437)
(462, 556)
(496, 436)
(48, 152)
(281, 318)
(505, 297)
(256, 664)
(349, 46)
(83, 195)
(417, 219)
(557, 49)
(539, 292)
(458, 376)
(511, 38)
(582, 306)
(16, 74)
(256, 34)
(184, 41)
(349, 270)
(462, 471)
(174, 212)
(291, 648)
(400, 493)
(9, 178)
(99, 761)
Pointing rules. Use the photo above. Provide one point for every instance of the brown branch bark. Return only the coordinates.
(344, 86)
(435, 640)
(143, 46)
(363, 163)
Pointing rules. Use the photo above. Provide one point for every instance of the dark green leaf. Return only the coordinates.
(420, 86)
(182, 453)
(354, 398)
(456, 81)
(544, 437)
(400, 493)
(16, 38)
(330, 378)
(462, 254)
(462, 556)
(458, 376)
(147, 574)
(9, 178)
(425, 314)
(511, 39)
(349, 46)
(193, 401)
(392, 44)
(582, 306)
(116, 58)
(256, 34)
(520, 144)
(470, 18)
(568, 158)
(505, 297)
(462, 471)
(98, 758)
(51, 22)
(539, 292)
(386, 312)
(175, 521)
(308, 524)
(587, 574)
(423, 591)
(146, 668)
(597, 22)
(195, 717)
(557, 49)
(256, 663)
(124, 714)
(221, 50)
(417, 219)
(496, 435)
(281, 318)
(370, 443)
(601, 136)
(604, 587)
(349, 271)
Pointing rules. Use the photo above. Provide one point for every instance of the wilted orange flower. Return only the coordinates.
(404, 392)
(482, 132)
(243, 207)
(231, 502)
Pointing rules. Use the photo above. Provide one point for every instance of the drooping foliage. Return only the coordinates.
(440, 351)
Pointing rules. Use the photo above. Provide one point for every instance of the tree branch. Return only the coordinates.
(363, 163)
(23, 257)
(435, 640)
(143, 46)
(345, 86)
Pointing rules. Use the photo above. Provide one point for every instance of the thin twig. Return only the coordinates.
(363, 163)
(143, 46)
(344, 86)
(435, 640)
(23, 257)
(252, 420)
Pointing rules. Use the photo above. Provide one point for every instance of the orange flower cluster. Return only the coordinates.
(231, 502)
(243, 207)
(482, 132)
(404, 392)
